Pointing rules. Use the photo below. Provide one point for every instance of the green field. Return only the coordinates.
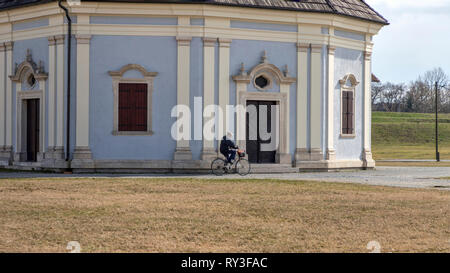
(409, 135)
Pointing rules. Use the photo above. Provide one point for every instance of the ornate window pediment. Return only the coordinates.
(119, 73)
(348, 81)
(29, 72)
(264, 74)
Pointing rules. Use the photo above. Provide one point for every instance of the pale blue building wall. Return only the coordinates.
(156, 54)
(120, 20)
(348, 61)
(263, 26)
(42, 22)
(280, 54)
(350, 35)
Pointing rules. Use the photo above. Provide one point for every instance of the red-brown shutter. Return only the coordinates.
(140, 110)
(132, 107)
(124, 106)
(350, 108)
(344, 112)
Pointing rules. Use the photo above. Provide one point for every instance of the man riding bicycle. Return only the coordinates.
(228, 148)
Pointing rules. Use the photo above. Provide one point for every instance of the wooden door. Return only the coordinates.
(33, 129)
(256, 135)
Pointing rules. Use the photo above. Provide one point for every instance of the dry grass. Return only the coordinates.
(183, 215)
(398, 151)
(411, 164)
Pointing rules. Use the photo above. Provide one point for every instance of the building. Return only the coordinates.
(132, 62)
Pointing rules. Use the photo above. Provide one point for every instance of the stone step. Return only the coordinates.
(26, 166)
(273, 168)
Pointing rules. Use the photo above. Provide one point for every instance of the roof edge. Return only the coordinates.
(335, 12)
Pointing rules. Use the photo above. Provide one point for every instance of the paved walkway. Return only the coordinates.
(409, 177)
(412, 160)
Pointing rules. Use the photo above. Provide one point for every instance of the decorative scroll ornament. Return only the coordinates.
(265, 68)
(28, 67)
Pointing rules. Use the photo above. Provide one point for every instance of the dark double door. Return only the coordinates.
(33, 129)
(256, 134)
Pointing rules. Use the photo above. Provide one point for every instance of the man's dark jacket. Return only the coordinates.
(226, 145)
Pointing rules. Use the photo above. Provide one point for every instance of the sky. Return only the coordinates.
(417, 39)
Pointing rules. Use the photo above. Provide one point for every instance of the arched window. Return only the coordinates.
(348, 86)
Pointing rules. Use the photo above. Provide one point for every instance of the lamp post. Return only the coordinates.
(437, 123)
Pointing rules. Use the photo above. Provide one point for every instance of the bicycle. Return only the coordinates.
(240, 165)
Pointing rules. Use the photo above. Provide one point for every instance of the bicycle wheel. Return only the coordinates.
(243, 167)
(218, 167)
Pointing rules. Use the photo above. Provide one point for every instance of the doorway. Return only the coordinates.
(260, 131)
(32, 129)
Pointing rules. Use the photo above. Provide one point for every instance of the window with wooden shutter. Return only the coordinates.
(348, 113)
(133, 108)
(348, 89)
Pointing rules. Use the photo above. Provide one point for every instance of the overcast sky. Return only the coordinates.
(417, 39)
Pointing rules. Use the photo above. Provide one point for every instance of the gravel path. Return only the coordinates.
(408, 177)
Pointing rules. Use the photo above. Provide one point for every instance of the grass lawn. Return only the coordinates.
(188, 215)
(412, 164)
(409, 135)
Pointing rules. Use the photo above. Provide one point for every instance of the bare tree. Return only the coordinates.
(430, 78)
(418, 96)
(377, 90)
(393, 96)
(437, 75)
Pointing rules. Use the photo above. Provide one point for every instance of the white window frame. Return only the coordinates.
(352, 89)
(147, 78)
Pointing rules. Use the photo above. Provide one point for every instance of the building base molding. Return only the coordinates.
(82, 158)
(82, 153)
(369, 163)
(283, 158)
(56, 153)
(176, 166)
(331, 155)
(316, 154)
(209, 154)
(302, 154)
(182, 153)
(55, 158)
(6, 155)
(330, 166)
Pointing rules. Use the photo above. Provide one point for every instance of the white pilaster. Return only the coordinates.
(183, 151)
(331, 153)
(367, 151)
(302, 152)
(284, 157)
(51, 94)
(208, 151)
(241, 87)
(2, 95)
(224, 84)
(8, 101)
(316, 103)
(60, 76)
(82, 149)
